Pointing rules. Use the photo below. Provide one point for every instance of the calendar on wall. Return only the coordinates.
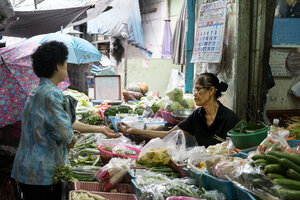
(208, 42)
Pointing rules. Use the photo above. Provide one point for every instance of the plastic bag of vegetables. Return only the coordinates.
(175, 94)
(188, 101)
(113, 172)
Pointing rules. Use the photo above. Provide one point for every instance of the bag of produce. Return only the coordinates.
(155, 152)
(188, 101)
(177, 146)
(113, 172)
(175, 94)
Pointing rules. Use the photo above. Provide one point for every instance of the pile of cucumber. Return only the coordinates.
(284, 170)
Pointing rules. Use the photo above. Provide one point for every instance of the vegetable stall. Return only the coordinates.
(132, 167)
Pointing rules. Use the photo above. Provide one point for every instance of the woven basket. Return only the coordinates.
(110, 196)
(99, 187)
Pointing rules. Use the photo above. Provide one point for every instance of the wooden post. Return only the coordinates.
(242, 57)
(189, 45)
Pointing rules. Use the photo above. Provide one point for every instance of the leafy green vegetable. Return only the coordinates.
(188, 101)
(154, 108)
(63, 173)
(139, 110)
(94, 120)
(111, 111)
(124, 109)
(243, 127)
(174, 105)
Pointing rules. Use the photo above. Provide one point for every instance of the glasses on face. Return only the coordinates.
(196, 89)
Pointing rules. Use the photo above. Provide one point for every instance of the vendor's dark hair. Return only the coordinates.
(46, 57)
(209, 79)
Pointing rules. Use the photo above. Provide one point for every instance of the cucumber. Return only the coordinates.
(289, 194)
(289, 164)
(288, 183)
(272, 159)
(294, 158)
(274, 176)
(291, 173)
(261, 162)
(256, 157)
(274, 168)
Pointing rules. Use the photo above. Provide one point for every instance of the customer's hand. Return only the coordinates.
(126, 129)
(73, 142)
(108, 132)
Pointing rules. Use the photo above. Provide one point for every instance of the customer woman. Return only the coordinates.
(47, 130)
(210, 122)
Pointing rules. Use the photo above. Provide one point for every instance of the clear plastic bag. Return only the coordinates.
(272, 143)
(214, 195)
(113, 172)
(155, 152)
(177, 146)
(251, 179)
(196, 157)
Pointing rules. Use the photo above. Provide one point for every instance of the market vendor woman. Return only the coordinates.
(210, 122)
(47, 130)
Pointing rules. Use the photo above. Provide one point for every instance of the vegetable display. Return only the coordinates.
(284, 169)
(113, 110)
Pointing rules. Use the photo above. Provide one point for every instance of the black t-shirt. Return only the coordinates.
(196, 125)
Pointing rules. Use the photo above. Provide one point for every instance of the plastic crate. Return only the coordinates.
(137, 190)
(178, 168)
(110, 196)
(243, 194)
(194, 175)
(210, 182)
(292, 143)
(99, 187)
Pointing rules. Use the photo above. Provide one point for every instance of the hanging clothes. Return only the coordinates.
(178, 40)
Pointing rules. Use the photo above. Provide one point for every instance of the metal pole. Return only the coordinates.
(125, 63)
(189, 78)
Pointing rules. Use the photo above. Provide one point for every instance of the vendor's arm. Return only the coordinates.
(126, 129)
(86, 128)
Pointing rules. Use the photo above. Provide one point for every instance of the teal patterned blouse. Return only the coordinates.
(46, 131)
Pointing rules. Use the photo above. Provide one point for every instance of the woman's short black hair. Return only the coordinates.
(209, 79)
(47, 56)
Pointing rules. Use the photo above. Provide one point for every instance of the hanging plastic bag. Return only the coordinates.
(176, 80)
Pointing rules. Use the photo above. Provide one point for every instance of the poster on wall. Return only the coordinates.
(208, 42)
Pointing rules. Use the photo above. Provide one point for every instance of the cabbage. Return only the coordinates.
(173, 105)
(162, 103)
(188, 101)
(175, 94)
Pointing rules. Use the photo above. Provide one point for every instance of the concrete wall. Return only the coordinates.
(152, 70)
(279, 97)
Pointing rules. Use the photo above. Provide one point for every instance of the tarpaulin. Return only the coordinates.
(31, 23)
(123, 20)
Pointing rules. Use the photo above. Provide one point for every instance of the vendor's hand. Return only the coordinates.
(108, 132)
(125, 128)
(72, 144)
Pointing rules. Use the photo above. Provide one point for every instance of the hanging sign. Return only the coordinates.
(208, 42)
